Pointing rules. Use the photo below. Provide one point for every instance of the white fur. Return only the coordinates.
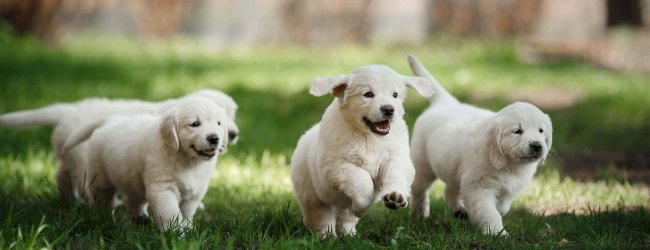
(154, 159)
(476, 153)
(68, 117)
(340, 167)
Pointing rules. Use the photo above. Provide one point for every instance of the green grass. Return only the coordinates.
(250, 203)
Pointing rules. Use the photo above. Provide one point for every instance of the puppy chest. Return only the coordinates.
(372, 162)
(193, 183)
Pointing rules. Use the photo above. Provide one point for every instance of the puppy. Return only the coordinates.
(67, 117)
(484, 158)
(164, 161)
(359, 151)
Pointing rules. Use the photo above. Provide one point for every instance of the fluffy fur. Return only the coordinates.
(67, 117)
(359, 151)
(484, 158)
(164, 161)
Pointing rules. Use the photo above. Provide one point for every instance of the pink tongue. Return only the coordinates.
(383, 126)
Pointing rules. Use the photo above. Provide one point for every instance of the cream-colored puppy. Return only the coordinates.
(165, 161)
(484, 158)
(67, 117)
(359, 151)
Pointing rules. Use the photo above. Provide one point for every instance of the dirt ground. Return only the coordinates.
(633, 166)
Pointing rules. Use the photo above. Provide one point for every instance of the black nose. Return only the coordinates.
(387, 110)
(232, 135)
(213, 139)
(536, 146)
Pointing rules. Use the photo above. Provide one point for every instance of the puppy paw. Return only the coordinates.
(394, 200)
(461, 214)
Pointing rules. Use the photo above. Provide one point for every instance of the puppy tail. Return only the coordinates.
(34, 118)
(80, 135)
(441, 95)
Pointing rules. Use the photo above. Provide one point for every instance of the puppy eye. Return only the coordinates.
(195, 124)
(541, 130)
(219, 123)
(369, 94)
(395, 94)
(518, 131)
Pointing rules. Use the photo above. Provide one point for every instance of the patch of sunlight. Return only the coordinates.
(35, 163)
(270, 173)
(550, 193)
(31, 174)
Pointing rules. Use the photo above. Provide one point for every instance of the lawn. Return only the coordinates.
(250, 203)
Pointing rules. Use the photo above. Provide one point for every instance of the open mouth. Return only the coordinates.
(207, 153)
(532, 157)
(380, 128)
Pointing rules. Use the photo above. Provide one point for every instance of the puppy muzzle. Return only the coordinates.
(379, 128)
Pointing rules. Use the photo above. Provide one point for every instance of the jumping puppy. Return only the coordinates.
(484, 158)
(359, 151)
(165, 161)
(67, 117)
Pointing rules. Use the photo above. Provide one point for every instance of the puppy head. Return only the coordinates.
(195, 127)
(228, 104)
(521, 133)
(371, 96)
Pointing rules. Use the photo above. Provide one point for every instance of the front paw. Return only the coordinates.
(394, 200)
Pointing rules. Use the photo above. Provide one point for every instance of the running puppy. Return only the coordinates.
(164, 161)
(359, 151)
(67, 117)
(484, 158)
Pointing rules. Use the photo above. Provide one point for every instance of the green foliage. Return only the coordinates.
(250, 202)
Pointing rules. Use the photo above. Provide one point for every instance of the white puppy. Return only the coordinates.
(68, 117)
(484, 158)
(358, 153)
(165, 161)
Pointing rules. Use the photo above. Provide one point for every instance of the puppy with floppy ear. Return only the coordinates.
(484, 158)
(358, 153)
(163, 161)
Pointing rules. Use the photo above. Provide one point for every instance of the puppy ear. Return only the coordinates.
(226, 139)
(497, 158)
(420, 85)
(548, 138)
(169, 129)
(335, 84)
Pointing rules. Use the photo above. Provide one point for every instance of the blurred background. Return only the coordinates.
(586, 62)
(552, 28)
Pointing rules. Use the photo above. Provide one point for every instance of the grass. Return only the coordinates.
(250, 203)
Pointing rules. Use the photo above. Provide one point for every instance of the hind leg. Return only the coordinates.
(64, 183)
(100, 190)
(346, 222)
(319, 217)
(453, 201)
(421, 186)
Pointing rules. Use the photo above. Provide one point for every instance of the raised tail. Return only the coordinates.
(33, 118)
(441, 95)
(80, 135)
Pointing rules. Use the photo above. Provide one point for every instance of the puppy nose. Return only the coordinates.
(232, 135)
(213, 139)
(536, 146)
(387, 110)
